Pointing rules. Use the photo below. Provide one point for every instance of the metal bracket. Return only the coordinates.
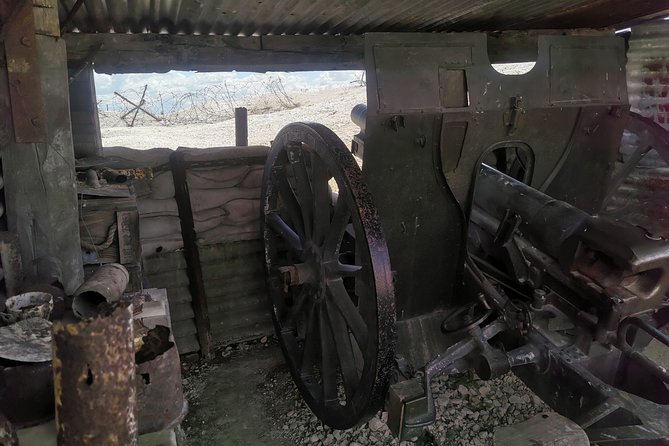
(513, 116)
(23, 73)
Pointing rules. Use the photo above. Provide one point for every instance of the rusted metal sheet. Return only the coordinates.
(94, 380)
(23, 72)
(236, 17)
(648, 71)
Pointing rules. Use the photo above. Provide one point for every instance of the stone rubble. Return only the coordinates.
(468, 411)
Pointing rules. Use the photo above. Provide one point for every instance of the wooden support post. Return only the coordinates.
(241, 127)
(192, 253)
(40, 183)
(84, 111)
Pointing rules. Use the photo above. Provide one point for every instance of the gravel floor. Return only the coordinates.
(468, 409)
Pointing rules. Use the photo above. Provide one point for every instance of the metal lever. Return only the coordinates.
(627, 349)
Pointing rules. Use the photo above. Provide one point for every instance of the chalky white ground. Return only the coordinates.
(329, 107)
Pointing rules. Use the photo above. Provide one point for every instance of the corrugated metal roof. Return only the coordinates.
(268, 17)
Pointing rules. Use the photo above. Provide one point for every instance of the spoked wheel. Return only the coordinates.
(328, 275)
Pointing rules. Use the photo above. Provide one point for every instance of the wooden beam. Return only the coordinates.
(147, 53)
(192, 254)
(40, 184)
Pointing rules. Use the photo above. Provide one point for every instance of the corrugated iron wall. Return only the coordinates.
(643, 198)
(648, 71)
(244, 17)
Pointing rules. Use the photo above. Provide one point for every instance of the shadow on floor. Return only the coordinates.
(228, 399)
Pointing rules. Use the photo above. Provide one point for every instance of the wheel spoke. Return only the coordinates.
(303, 188)
(336, 269)
(290, 202)
(337, 228)
(328, 360)
(311, 344)
(284, 231)
(321, 196)
(300, 300)
(342, 340)
(349, 311)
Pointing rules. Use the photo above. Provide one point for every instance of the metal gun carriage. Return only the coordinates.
(473, 237)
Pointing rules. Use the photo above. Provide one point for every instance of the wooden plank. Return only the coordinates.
(40, 190)
(129, 248)
(192, 254)
(145, 53)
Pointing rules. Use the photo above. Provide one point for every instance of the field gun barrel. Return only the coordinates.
(545, 221)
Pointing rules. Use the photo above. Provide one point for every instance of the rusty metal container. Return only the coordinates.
(107, 284)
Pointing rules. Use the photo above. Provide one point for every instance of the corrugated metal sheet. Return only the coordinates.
(648, 71)
(234, 282)
(168, 270)
(643, 199)
(266, 17)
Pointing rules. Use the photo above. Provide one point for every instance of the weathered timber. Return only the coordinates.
(84, 110)
(23, 72)
(241, 127)
(145, 53)
(191, 253)
(40, 191)
(94, 380)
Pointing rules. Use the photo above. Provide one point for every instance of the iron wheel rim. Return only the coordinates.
(336, 321)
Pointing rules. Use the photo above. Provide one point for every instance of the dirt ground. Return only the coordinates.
(231, 399)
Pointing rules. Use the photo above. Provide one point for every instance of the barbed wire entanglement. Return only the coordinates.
(211, 103)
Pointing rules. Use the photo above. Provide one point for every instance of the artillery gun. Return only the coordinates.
(472, 238)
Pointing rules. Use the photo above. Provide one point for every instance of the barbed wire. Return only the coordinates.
(211, 103)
